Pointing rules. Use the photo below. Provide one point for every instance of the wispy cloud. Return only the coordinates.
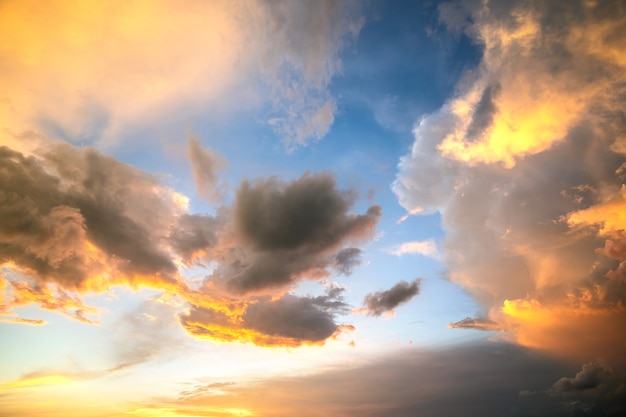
(425, 248)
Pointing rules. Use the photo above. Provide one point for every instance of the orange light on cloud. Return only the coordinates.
(564, 330)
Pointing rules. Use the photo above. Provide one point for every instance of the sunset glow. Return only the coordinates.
(331, 208)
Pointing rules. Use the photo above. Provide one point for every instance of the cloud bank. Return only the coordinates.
(486, 379)
(526, 165)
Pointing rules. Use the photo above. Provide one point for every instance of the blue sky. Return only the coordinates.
(277, 208)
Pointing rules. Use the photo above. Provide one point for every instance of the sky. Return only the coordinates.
(312, 208)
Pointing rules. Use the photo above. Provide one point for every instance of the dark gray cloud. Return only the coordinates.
(591, 376)
(595, 391)
(290, 231)
(302, 318)
(306, 213)
(54, 207)
(205, 165)
(484, 112)
(381, 302)
(287, 321)
(193, 234)
(475, 323)
(481, 379)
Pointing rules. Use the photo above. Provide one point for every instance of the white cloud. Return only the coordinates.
(425, 248)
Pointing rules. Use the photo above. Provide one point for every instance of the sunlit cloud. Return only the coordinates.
(113, 70)
(101, 223)
(525, 165)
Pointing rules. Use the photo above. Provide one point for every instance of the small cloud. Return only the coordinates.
(413, 212)
(20, 320)
(425, 248)
(383, 302)
(475, 323)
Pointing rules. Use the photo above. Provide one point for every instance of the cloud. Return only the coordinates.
(346, 259)
(524, 165)
(377, 303)
(72, 229)
(590, 377)
(288, 230)
(596, 390)
(426, 248)
(205, 164)
(286, 321)
(475, 323)
(406, 383)
(116, 65)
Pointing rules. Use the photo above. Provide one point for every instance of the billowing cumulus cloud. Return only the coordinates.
(286, 231)
(525, 164)
(112, 70)
(380, 302)
(71, 229)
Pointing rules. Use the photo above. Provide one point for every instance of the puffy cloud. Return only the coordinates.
(381, 302)
(116, 64)
(289, 230)
(596, 390)
(590, 377)
(525, 164)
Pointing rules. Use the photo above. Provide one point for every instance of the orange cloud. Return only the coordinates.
(526, 166)
(571, 331)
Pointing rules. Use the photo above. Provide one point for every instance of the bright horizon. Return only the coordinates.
(296, 208)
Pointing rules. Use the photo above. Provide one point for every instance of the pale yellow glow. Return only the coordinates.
(36, 381)
(124, 60)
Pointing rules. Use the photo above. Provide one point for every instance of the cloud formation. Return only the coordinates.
(380, 302)
(525, 164)
(72, 229)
